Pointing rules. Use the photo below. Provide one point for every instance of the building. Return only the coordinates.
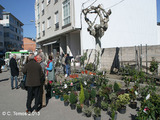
(13, 32)
(61, 26)
(29, 44)
(1, 30)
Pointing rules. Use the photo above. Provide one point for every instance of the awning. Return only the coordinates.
(49, 43)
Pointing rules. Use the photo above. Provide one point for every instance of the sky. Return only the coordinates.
(24, 11)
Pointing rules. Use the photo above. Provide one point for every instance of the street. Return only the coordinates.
(13, 106)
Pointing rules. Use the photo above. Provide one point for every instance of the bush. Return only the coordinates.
(116, 87)
(90, 67)
(72, 98)
(81, 95)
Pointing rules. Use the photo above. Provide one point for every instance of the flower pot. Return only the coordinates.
(73, 106)
(122, 110)
(79, 110)
(97, 117)
(133, 105)
(66, 103)
(57, 96)
(88, 114)
(61, 98)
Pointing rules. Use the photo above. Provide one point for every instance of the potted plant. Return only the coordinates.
(93, 95)
(66, 98)
(81, 96)
(73, 100)
(133, 94)
(97, 112)
(87, 110)
(86, 94)
(57, 93)
(113, 109)
(122, 101)
(116, 87)
(104, 105)
(79, 108)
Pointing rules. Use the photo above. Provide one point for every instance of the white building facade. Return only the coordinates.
(61, 26)
(12, 31)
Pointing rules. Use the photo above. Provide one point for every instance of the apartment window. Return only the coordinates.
(55, 1)
(56, 20)
(49, 22)
(6, 34)
(48, 2)
(43, 29)
(0, 33)
(42, 7)
(38, 31)
(1, 44)
(38, 11)
(5, 17)
(66, 12)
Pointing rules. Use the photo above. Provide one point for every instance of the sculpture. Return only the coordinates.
(97, 30)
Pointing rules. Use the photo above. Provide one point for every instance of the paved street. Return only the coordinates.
(12, 106)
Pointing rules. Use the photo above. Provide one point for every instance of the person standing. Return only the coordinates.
(14, 71)
(42, 87)
(68, 63)
(63, 63)
(42, 55)
(33, 81)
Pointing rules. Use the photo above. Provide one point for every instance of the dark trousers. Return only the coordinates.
(33, 92)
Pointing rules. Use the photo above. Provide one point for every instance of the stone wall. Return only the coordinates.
(126, 55)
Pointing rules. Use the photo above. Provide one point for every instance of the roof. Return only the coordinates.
(8, 13)
(1, 7)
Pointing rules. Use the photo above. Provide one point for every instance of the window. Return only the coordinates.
(0, 33)
(12, 28)
(38, 11)
(1, 44)
(42, 8)
(66, 12)
(55, 1)
(43, 29)
(56, 20)
(6, 34)
(38, 31)
(49, 22)
(5, 17)
(48, 2)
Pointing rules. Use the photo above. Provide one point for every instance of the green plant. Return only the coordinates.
(116, 87)
(78, 106)
(123, 99)
(132, 94)
(153, 66)
(66, 97)
(86, 94)
(90, 67)
(83, 58)
(104, 105)
(97, 111)
(87, 109)
(113, 106)
(81, 95)
(93, 93)
(72, 98)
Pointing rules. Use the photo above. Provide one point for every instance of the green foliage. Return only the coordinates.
(104, 105)
(116, 87)
(153, 66)
(97, 111)
(72, 98)
(93, 93)
(86, 94)
(123, 99)
(90, 67)
(87, 109)
(81, 95)
(66, 97)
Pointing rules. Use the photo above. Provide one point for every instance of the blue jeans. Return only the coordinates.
(68, 71)
(16, 81)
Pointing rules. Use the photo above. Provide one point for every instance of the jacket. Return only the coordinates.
(50, 70)
(14, 68)
(34, 73)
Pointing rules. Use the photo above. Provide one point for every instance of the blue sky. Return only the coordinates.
(24, 11)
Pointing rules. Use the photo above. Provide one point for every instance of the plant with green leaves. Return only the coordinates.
(97, 111)
(73, 98)
(116, 87)
(66, 97)
(123, 100)
(153, 66)
(104, 105)
(86, 94)
(81, 95)
(83, 58)
(87, 109)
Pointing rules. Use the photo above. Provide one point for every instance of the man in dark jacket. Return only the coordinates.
(68, 63)
(34, 73)
(14, 71)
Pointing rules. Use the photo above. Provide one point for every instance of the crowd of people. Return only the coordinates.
(36, 75)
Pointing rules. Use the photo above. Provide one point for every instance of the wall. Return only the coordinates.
(126, 55)
(29, 44)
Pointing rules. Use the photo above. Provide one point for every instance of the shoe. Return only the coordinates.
(28, 112)
(12, 88)
(17, 88)
(43, 106)
(36, 111)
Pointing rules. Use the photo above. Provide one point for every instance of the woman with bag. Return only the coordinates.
(50, 74)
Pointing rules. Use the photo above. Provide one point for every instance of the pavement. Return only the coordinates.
(13, 106)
